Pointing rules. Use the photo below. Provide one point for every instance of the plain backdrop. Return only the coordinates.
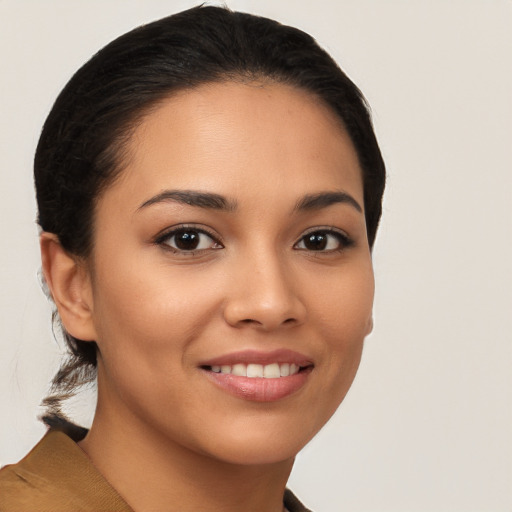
(427, 425)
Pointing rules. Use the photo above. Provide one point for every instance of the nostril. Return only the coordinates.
(253, 311)
(249, 321)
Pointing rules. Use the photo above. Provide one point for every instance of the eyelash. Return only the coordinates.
(343, 241)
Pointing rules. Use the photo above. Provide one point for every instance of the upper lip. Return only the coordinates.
(259, 357)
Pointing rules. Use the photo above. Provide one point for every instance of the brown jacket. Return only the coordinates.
(57, 476)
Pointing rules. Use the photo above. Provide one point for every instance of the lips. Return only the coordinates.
(259, 376)
(258, 357)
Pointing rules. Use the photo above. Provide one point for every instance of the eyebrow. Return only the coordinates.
(206, 200)
(325, 199)
(209, 200)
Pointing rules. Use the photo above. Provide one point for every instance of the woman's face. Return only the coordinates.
(233, 243)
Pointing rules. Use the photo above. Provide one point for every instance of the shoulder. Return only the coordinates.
(22, 490)
(56, 476)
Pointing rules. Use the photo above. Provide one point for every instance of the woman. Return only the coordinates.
(209, 188)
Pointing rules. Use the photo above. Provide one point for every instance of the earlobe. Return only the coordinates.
(69, 283)
(369, 326)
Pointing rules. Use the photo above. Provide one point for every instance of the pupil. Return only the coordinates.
(187, 240)
(316, 241)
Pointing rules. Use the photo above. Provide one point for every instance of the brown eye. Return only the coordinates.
(189, 239)
(323, 241)
(315, 241)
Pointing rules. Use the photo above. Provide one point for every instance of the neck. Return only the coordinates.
(150, 471)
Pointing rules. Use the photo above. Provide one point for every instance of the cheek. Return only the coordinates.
(146, 323)
(147, 313)
(343, 303)
(343, 317)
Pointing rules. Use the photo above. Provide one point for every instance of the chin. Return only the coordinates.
(258, 453)
(260, 445)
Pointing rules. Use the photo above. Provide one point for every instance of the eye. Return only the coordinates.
(323, 241)
(188, 240)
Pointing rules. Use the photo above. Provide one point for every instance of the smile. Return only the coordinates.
(259, 376)
(268, 371)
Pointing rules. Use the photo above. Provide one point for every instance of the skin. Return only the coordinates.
(157, 313)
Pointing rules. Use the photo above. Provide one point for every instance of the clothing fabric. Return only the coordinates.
(57, 476)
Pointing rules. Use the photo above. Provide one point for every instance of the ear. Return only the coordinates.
(369, 326)
(69, 283)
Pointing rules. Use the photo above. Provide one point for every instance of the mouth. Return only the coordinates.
(259, 377)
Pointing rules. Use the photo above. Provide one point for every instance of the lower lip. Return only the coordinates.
(258, 389)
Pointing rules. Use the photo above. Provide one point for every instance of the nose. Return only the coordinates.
(264, 295)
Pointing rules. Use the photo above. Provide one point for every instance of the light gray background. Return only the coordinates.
(427, 425)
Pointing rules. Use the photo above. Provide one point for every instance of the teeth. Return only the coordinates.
(269, 371)
(254, 370)
(285, 370)
(240, 370)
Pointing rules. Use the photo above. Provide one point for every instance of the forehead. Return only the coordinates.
(230, 137)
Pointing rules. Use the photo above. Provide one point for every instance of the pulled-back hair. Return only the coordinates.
(81, 149)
